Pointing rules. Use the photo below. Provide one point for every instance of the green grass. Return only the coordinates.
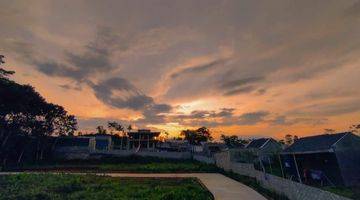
(66, 186)
(129, 164)
(352, 193)
(160, 167)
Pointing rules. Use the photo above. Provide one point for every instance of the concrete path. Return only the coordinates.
(222, 187)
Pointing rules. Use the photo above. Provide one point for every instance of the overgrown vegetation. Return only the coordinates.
(66, 186)
(254, 184)
(350, 192)
(126, 164)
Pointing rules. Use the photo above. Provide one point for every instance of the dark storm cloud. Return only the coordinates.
(224, 117)
(198, 68)
(330, 109)
(131, 98)
(326, 94)
(154, 114)
(224, 112)
(261, 91)
(252, 118)
(240, 82)
(353, 10)
(120, 93)
(242, 90)
(284, 120)
(22, 49)
(79, 66)
(240, 86)
(71, 87)
(315, 70)
(53, 68)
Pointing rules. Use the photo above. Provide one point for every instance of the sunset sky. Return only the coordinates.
(244, 67)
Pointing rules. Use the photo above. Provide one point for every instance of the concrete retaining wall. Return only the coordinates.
(293, 190)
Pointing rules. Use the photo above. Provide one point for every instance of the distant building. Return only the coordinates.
(332, 159)
(264, 146)
(102, 143)
(76, 144)
(83, 146)
(173, 146)
(210, 148)
(142, 139)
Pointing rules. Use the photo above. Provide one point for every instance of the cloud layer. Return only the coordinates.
(238, 66)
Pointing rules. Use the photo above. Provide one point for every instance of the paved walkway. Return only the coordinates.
(222, 187)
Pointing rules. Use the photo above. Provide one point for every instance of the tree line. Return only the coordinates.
(27, 121)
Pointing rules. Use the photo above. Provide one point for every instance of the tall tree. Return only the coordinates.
(24, 112)
(101, 130)
(116, 127)
(4, 73)
(233, 141)
(288, 139)
(195, 137)
(355, 128)
(129, 128)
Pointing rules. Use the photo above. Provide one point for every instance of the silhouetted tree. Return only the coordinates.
(4, 73)
(117, 127)
(355, 128)
(101, 130)
(329, 130)
(233, 141)
(24, 113)
(288, 139)
(282, 141)
(129, 128)
(194, 137)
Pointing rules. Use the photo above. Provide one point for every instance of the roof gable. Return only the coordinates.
(257, 143)
(316, 143)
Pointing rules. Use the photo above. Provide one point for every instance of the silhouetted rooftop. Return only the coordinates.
(315, 143)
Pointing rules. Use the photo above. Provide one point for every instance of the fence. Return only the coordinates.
(293, 190)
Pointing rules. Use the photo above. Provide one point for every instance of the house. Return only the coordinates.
(173, 146)
(79, 146)
(102, 142)
(210, 148)
(76, 144)
(143, 139)
(331, 159)
(264, 146)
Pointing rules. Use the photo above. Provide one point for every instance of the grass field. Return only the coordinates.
(352, 193)
(66, 186)
(129, 164)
